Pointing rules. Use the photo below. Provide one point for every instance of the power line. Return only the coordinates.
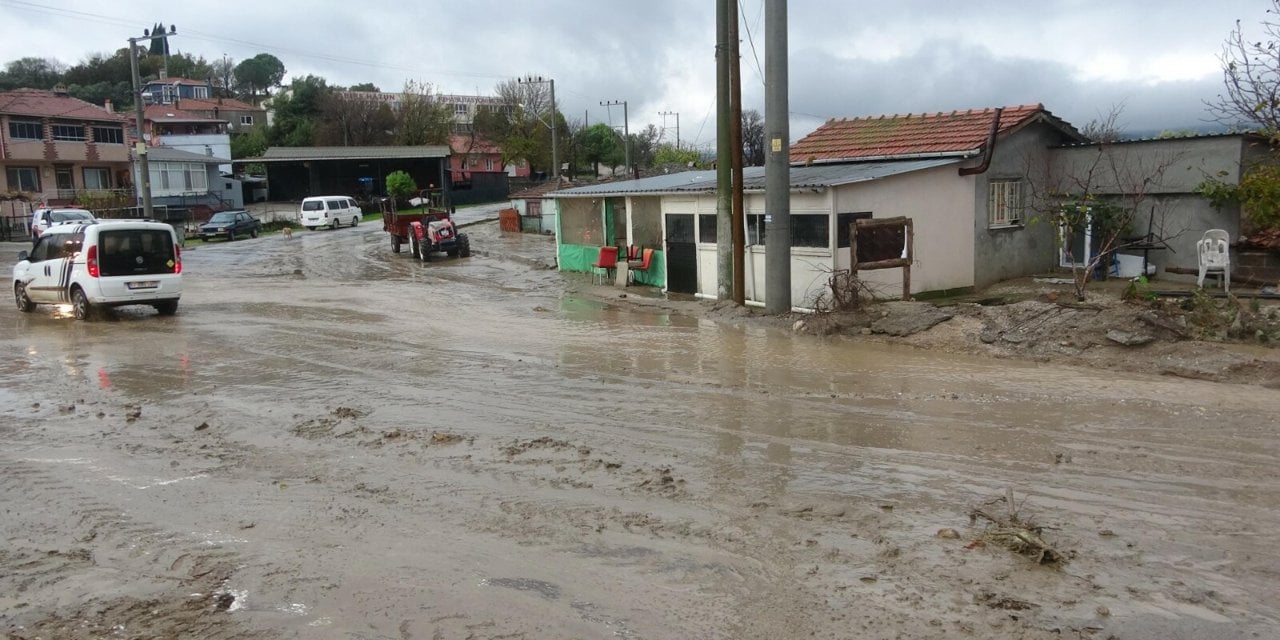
(750, 40)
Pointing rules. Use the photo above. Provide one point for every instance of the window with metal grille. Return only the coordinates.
(1004, 203)
(108, 135)
(811, 230)
(25, 130)
(246, 120)
(68, 132)
(707, 228)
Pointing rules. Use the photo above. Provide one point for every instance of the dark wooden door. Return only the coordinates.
(682, 254)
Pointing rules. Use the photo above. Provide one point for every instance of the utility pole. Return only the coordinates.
(555, 145)
(724, 157)
(144, 169)
(664, 115)
(777, 163)
(626, 130)
(735, 144)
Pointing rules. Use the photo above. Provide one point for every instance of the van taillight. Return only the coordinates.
(177, 259)
(91, 260)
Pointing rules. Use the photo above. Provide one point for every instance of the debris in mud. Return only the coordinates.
(224, 601)
(132, 412)
(1007, 603)
(906, 318)
(1017, 534)
(1128, 338)
(948, 534)
(438, 437)
(663, 482)
(545, 442)
(348, 413)
(202, 426)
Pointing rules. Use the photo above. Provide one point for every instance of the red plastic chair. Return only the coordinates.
(607, 262)
(642, 265)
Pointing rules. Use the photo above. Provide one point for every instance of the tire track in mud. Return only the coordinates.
(80, 565)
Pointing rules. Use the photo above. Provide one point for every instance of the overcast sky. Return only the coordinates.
(847, 57)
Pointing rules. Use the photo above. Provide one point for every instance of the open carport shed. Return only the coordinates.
(294, 173)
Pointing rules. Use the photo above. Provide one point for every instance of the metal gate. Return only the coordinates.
(682, 254)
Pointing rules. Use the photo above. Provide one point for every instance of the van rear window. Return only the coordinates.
(313, 205)
(135, 252)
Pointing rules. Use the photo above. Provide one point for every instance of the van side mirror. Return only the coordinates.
(23, 255)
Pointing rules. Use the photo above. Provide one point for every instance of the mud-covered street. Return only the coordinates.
(334, 441)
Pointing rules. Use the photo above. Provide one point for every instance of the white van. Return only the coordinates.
(329, 211)
(101, 264)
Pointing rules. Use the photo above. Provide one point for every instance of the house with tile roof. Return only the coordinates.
(537, 212)
(58, 149)
(168, 125)
(981, 231)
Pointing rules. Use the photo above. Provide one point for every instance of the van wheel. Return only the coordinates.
(333, 224)
(355, 221)
(167, 308)
(80, 305)
(24, 303)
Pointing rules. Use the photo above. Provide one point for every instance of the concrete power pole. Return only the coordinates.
(724, 158)
(777, 180)
(735, 143)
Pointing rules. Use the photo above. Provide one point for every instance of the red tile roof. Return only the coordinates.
(47, 104)
(167, 113)
(925, 134)
(466, 144)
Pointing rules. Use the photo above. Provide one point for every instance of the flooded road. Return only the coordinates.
(334, 441)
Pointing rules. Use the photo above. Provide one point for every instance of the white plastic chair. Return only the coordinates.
(1215, 256)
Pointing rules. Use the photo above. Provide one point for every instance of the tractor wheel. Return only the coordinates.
(413, 246)
(424, 251)
(464, 246)
(395, 244)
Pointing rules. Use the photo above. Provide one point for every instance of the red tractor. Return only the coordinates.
(426, 233)
(435, 233)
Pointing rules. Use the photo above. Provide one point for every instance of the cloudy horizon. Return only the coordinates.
(1080, 58)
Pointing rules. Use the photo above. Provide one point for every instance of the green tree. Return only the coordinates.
(600, 144)
(422, 117)
(298, 112)
(259, 73)
(250, 144)
(159, 46)
(185, 65)
(31, 73)
(669, 155)
(401, 187)
(365, 86)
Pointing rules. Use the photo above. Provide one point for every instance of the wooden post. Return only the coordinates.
(853, 249)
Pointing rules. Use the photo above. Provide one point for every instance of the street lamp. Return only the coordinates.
(144, 171)
(626, 129)
(555, 152)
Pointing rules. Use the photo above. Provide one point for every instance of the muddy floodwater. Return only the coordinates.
(334, 441)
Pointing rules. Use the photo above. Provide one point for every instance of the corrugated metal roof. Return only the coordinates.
(753, 179)
(169, 154)
(1194, 136)
(293, 154)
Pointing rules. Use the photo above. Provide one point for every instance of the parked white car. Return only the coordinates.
(45, 217)
(329, 211)
(101, 264)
